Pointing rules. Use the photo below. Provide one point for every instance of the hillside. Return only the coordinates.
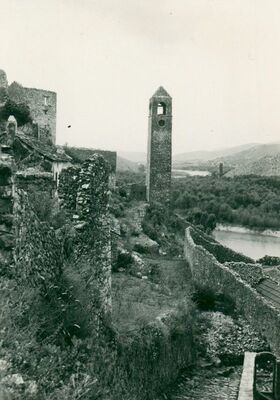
(202, 156)
(250, 155)
(124, 164)
(135, 156)
(265, 166)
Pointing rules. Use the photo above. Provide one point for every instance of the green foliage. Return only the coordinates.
(19, 110)
(269, 260)
(245, 200)
(124, 260)
(45, 207)
(165, 227)
(127, 177)
(207, 299)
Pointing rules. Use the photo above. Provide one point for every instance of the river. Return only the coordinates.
(251, 243)
(182, 173)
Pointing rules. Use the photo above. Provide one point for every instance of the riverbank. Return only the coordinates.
(242, 229)
(253, 243)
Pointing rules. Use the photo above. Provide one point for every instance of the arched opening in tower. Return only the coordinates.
(161, 109)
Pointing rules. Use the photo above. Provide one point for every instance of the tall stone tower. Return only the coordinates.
(158, 178)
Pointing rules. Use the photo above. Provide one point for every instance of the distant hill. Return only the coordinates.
(193, 156)
(262, 159)
(250, 158)
(126, 165)
(264, 166)
(203, 156)
(252, 154)
(135, 156)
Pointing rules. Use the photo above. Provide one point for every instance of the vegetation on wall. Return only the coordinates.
(251, 201)
(20, 111)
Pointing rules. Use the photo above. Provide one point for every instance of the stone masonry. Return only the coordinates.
(42, 105)
(158, 178)
(29, 250)
(84, 194)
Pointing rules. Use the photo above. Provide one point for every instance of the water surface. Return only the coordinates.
(182, 173)
(251, 243)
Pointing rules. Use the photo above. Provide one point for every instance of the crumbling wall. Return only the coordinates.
(37, 253)
(207, 272)
(250, 273)
(68, 188)
(222, 253)
(6, 214)
(84, 193)
(42, 104)
(29, 249)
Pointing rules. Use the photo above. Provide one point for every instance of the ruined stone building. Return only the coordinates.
(158, 178)
(42, 105)
(34, 142)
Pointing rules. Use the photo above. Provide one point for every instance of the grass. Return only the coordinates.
(137, 302)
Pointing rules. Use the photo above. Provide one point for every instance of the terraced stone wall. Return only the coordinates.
(208, 272)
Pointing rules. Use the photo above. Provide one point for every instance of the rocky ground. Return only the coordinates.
(221, 343)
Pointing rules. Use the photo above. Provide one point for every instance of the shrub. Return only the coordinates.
(204, 298)
(269, 260)
(19, 110)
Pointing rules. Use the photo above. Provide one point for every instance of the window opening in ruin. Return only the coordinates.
(161, 109)
(46, 101)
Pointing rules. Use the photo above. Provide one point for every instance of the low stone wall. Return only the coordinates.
(208, 272)
(250, 273)
(222, 253)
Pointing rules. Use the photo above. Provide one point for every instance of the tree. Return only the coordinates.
(20, 111)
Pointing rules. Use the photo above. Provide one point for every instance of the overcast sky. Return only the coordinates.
(218, 59)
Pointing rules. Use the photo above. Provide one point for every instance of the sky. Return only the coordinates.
(218, 59)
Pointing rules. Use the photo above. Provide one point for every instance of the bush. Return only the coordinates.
(204, 298)
(19, 110)
(269, 260)
(124, 260)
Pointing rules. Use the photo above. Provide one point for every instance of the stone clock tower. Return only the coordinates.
(158, 178)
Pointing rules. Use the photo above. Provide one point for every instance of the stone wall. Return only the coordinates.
(222, 253)
(81, 154)
(208, 272)
(6, 214)
(250, 273)
(84, 193)
(29, 249)
(42, 104)
(37, 252)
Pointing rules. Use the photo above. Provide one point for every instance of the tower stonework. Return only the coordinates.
(158, 178)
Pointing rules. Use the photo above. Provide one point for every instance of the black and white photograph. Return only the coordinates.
(139, 200)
